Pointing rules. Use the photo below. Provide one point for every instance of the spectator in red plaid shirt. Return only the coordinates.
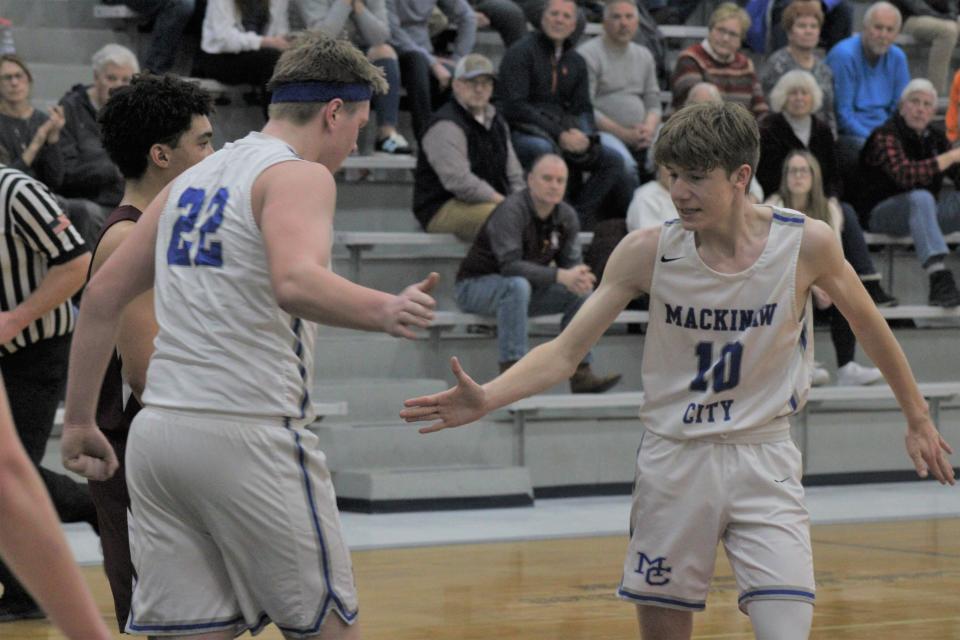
(904, 161)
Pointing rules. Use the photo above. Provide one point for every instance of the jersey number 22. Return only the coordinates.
(190, 246)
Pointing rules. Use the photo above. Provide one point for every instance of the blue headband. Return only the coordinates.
(322, 92)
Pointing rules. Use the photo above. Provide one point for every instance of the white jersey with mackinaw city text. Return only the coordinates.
(727, 356)
(224, 344)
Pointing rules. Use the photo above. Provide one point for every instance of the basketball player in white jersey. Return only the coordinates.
(726, 360)
(233, 515)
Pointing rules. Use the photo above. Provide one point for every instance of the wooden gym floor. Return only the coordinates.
(875, 581)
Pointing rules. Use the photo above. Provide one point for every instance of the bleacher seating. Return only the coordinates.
(387, 246)
(936, 394)
(114, 12)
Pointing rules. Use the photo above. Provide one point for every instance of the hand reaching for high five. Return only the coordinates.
(928, 451)
(411, 308)
(456, 406)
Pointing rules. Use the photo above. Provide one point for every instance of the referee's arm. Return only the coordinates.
(46, 230)
(61, 282)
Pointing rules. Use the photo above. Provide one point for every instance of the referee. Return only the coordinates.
(43, 262)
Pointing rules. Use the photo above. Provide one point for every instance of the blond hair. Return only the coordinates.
(316, 57)
(729, 10)
(708, 135)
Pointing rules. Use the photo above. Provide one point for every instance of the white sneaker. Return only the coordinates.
(820, 376)
(853, 374)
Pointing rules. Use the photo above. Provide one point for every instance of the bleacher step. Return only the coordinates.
(373, 398)
(393, 444)
(393, 490)
(48, 44)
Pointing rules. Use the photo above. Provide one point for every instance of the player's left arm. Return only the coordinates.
(822, 264)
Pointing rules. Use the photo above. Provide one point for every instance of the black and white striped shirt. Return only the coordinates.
(34, 236)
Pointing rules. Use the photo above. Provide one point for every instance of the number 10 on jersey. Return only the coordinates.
(726, 370)
(190, 246)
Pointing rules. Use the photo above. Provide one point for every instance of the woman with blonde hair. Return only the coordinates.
(801, 188)
(719, 60)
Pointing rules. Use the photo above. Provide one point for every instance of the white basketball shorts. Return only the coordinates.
(233, 524)
(689, 495)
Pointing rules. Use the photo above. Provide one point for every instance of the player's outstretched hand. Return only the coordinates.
(928, 450)
(451, 408)
(412, 308)
(85, 450)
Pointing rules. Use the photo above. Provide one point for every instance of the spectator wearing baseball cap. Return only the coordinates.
(466, 165)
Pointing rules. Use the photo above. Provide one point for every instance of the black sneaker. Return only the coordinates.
(880, 297)
(394, 144)
(19, 608)
(943, 290)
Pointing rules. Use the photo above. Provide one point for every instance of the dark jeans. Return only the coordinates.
(855, 248)
(35, 378)
(506, 17)
(245, 67)
(605, 194)
(170, 18)
(844, 342)
(423, 91)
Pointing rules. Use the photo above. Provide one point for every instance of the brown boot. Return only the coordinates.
(586, 381)
(506, 364)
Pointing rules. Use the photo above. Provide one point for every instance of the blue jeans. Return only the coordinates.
(512, 299)
(387, 105)
(918, 214)
(614, 143)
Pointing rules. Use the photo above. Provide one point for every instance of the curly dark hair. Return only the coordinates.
(151, 110)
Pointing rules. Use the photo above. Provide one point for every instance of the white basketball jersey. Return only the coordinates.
(726, 356)
(224, 343)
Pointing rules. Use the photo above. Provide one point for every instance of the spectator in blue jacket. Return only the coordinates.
(869, 73)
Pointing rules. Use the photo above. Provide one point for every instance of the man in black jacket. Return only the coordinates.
(88, 171)
(544, 94)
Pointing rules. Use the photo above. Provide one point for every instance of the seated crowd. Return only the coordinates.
(835, 110)
(516, 161)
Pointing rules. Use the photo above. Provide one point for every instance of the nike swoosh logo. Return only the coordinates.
(782, 481)
(666, 259)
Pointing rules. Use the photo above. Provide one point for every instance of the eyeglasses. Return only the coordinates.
(480, 82)
(10, 77)
(726, 33)
(799, 171)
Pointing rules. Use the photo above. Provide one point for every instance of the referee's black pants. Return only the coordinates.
(35, 378)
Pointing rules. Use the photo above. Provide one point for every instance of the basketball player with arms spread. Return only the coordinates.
(727, 359)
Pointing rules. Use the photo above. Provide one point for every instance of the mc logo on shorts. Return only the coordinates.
(653, 570)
